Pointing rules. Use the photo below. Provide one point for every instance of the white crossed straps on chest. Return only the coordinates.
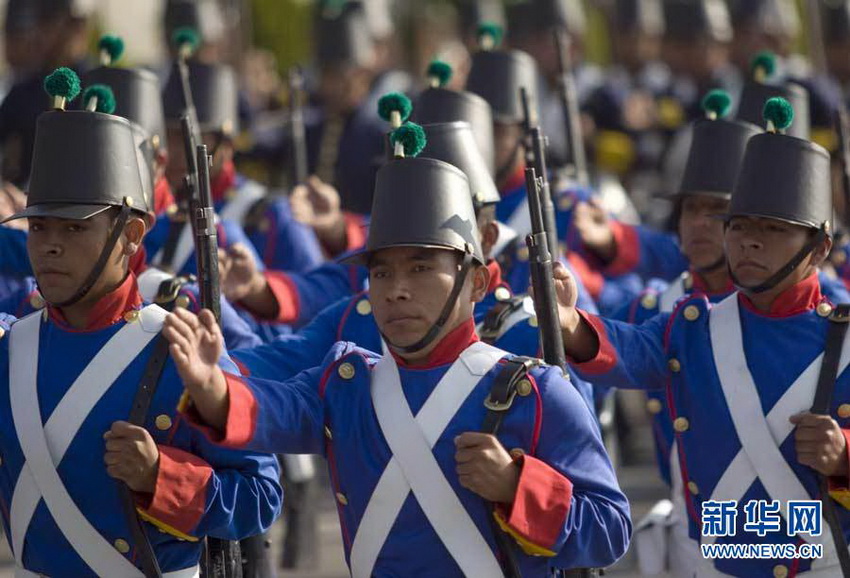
(246, 196)
(413, 466)
(676, 290)
(760, 435)
(44, 445)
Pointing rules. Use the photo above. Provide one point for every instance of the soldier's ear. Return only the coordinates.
(134, 232)
(480, 283)
(821, 252)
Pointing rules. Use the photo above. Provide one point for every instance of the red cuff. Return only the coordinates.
(286, 294)
(628, 249)
(355, 231)
(593, 280)
(541, 503)
(842, 483)
(241, 416)
(606, 357)
(180, 498)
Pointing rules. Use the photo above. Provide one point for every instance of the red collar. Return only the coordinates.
(515, 182)
(699, 285)
(106, 312)
(447, 350)
(223, 181)
(798, 298)
(495, 275)
(162, 196)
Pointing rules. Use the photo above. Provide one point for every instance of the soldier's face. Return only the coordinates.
(409, 287)
(757, 248)
(701, 229)
(64, 251)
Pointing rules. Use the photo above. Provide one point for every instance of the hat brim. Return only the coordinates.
(59, 211)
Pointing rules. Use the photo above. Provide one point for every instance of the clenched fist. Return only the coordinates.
(132, 456)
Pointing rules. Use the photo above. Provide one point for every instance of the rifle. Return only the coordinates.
(296, 126)
(535, 156)
(206, 238)
(540, 263)
(842, 129)
(576, 161)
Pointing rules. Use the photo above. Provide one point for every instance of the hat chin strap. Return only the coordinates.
(435, 329)
(789, 267)
(97, 270)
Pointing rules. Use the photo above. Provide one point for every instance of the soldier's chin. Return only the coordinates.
(53, 293)
(401, 338)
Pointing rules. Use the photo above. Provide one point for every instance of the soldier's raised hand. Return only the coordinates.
(594, 228)
(132, 456)
(242, 279)
(820, 444)
(196, 346)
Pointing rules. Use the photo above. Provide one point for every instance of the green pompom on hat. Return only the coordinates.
(778, 113)
(101, 96)
(63, 85)
(440, 72)
(716, 104)
(763, 65)
(490, 35)
(111, 49)
(410, 137)
(395, 102)
(186, 39)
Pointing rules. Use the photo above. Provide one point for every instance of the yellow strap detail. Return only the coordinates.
(165, 527)
(527, 546)
(842, 497)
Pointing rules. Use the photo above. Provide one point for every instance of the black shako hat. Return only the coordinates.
(215, 92)
(454, 143)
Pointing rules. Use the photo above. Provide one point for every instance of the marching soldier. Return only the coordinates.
(742, 374)
(281, 241)
(414, 493)
(95, 486)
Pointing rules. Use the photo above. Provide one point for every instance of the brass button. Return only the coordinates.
(532, 321)
(522, 254)
(37, 301)
(517, 453)
(824, 309)
(131, 316)
(780, 571)
(674, 365)
(346, 371)
(691, 312)
(844, 410)
(340, 497)
(649, 301)
(121, 545)
(523, 387)
(328, 433)
(653, 406)
(681, 424)
(693, 488)
(182, 302)
(566, 203)
(364, 307)
(2, 333)
(502, 293)
(163, 422)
